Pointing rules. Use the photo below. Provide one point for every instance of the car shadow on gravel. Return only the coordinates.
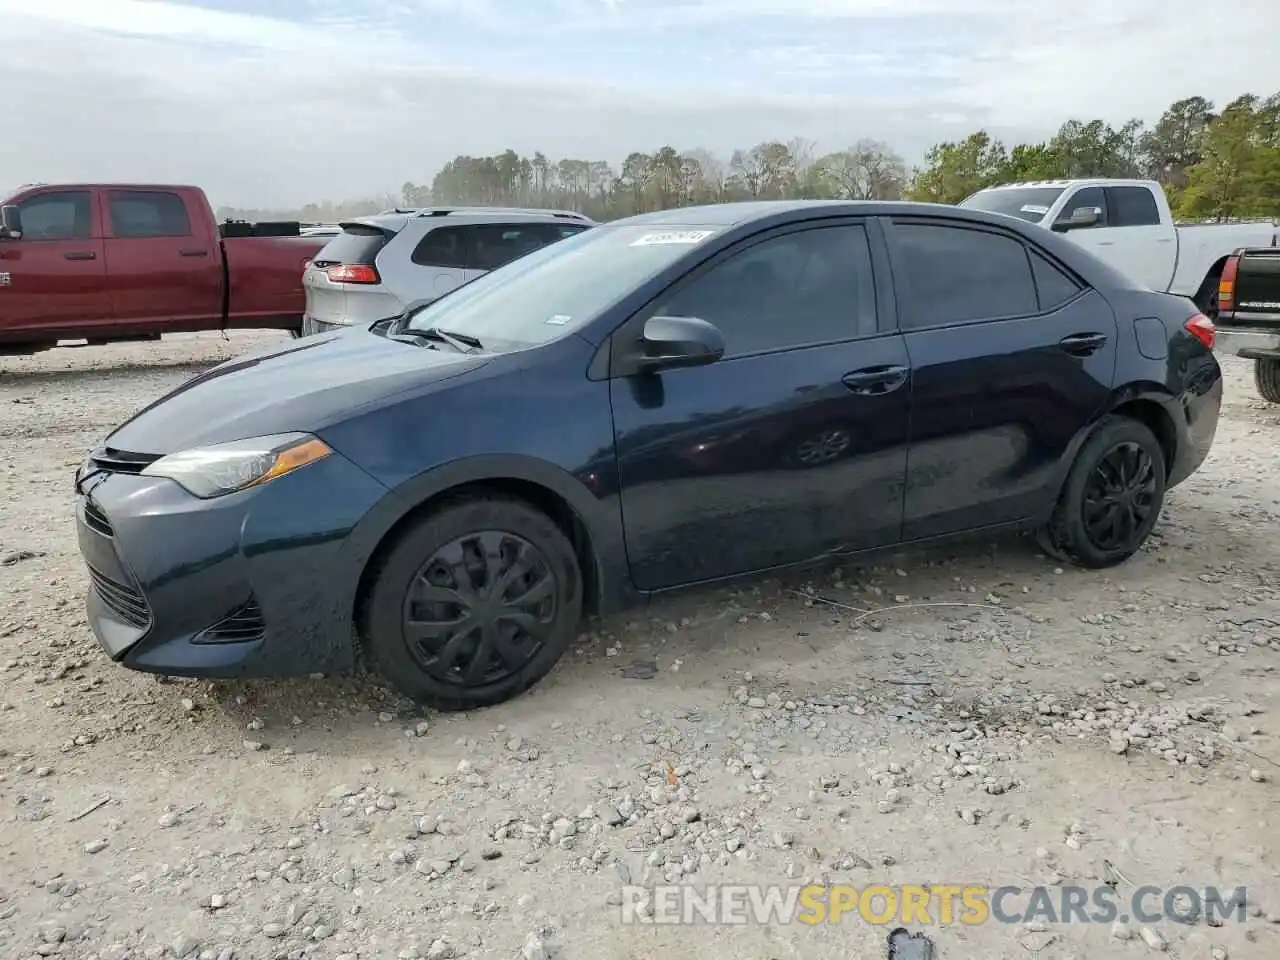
(720, 633)
(106, 374)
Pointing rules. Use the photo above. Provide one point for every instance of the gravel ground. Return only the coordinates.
(997, 720)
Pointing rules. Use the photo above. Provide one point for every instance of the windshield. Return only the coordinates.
(1025, 203)
(557, 289)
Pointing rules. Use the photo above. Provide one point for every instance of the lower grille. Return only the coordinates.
(121, 599)
(96, 520)
(243, 626)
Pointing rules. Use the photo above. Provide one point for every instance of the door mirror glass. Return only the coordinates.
(1080, 217)
(669, 342)
(10, 223)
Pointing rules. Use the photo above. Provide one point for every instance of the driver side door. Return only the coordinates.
(791, 446)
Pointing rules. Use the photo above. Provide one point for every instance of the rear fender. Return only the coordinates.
(1147, 391)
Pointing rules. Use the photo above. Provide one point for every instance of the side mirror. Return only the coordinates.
(10, 223)
(1080, 217)
(669, 342)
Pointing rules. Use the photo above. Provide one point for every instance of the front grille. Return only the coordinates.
(121, 461)
(96, 520)
(242, 626)
(125, 601)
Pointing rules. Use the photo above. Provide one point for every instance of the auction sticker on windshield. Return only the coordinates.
(1033, 208)
(672, 237)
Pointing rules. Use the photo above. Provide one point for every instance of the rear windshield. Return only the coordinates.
(559, 288)
(1025, 203)
(357, 243)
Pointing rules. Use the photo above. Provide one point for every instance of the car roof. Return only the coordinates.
(751, 211)
(397, 219)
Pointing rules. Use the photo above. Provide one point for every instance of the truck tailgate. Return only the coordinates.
(264, 279)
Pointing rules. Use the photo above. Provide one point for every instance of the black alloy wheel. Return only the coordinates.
(480, 608)
(473, 602)
(1112, 496)
(1119, 497)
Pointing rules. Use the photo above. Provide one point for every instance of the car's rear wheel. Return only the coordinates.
(1266, 377)
(1112, 498)
(473, 604)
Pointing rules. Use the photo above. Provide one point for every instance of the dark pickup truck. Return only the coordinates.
(111, 262)
(1248, 320)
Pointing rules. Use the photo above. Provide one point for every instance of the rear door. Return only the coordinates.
(793, 445)
(55, 275)
(163, 267)
(1011, 358)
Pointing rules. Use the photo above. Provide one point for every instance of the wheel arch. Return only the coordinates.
(587, 520)
(1206, 295)
(1145, 401)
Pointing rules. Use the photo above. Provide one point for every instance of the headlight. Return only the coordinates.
(224, 468)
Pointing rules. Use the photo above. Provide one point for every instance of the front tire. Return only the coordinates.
(1112, 498)
(1266, 377)
(474, 604)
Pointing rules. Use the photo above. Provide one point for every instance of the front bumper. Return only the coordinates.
(1246, 343)
(252, 584)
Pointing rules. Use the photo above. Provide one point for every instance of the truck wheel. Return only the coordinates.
(473, 604)
(1266, 377)
(1112, 497)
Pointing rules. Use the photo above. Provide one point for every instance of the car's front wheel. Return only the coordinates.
(1112, 497)
(473, 604)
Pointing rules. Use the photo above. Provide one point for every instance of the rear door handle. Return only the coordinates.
(875, 380)
(1082, 344)
(80, 255)
(193, 252)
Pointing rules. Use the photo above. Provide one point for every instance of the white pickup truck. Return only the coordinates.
(1129, 225)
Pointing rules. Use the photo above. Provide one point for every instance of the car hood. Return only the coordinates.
(304, 384)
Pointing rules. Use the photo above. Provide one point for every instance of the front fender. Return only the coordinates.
(599, 512)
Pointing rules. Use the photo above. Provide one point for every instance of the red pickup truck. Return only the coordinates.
(111, 262)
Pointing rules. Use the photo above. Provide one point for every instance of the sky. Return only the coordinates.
(274, 103)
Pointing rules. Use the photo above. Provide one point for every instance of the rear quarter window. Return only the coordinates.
(356, 244)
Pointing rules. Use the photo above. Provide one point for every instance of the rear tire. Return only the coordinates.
(1112, 498)
(1266, 377)
(474, 604)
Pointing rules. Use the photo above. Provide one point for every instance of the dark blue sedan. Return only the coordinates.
(674, 398)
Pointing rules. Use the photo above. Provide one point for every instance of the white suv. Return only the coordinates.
(377, 266)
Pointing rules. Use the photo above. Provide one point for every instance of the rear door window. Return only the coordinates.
(443, 247)
(139, 214)
(1131, 207)
(960, 274)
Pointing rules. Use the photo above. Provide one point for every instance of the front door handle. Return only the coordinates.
(1082, 344)
(193, 252)
(875, 380)
(80, 255)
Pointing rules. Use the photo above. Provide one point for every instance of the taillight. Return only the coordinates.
(1227, 284)
(1201, 327)
(352, 273)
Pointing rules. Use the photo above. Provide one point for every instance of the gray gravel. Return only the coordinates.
(999, 720)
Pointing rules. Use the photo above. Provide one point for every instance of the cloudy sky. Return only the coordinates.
(277, 102)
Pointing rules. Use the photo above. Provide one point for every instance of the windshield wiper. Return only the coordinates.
(462, 342)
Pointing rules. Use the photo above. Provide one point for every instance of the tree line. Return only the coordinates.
(1213, 164)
